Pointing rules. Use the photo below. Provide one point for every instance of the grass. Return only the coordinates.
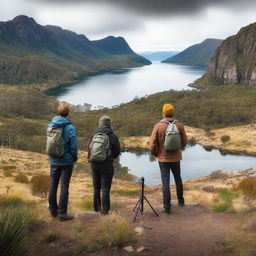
(15, 219)
(110, 231)
(8, 173)
(22, 178)
(226, 197)
(87, 204)
(125, 192)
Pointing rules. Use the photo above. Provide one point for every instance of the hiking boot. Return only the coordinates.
(181, 204)
(166, 211)
(65, 217)
(54, 214)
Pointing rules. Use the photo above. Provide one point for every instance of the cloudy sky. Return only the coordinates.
(147, 25)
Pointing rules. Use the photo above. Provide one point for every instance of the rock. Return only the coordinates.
(128, 248)
(141, 249)
(139, 231)
(234, 61)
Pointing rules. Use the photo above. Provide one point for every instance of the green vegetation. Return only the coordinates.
(25, 113)
(15, 219)
(40, 185)
(22, 178)
(226, 197)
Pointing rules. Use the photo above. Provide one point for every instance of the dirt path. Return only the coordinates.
(192, 230)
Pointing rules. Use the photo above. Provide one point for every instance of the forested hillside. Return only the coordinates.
(48, 55)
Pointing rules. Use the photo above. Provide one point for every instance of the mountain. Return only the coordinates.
(49, 55)
(235, 60)
(197, 54)
(157, 55)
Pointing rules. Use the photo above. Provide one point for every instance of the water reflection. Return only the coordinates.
(197, 162)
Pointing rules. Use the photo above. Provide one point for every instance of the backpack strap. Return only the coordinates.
(169, 122)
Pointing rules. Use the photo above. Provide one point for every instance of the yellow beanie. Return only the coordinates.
(168, 109)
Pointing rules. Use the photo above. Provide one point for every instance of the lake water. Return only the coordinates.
(120, 86)
(197, 162)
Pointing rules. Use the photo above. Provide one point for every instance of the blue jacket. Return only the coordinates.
(70, 139)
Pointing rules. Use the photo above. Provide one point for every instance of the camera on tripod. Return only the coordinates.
(139, 207)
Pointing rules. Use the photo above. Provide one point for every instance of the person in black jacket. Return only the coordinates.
(102, 172)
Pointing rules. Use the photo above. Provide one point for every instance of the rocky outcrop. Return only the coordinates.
(235, 60)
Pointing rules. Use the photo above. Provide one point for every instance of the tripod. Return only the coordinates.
(139, 207)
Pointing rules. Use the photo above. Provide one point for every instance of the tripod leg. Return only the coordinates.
(137, 204)
(136, 210)
(150, 206)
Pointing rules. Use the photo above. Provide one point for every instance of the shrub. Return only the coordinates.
(40, 185)
(8, 173)
(218, 174)
(222, 207)
(225, 138)
(22, 178)
(210, 189)
(9, 167)
(248, 187)
(226, 196)
(15, 219)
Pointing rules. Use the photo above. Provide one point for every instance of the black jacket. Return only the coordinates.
(113, 140)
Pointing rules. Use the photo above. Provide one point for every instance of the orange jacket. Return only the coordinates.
(156, 144)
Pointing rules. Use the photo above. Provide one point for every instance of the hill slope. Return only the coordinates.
(198, 54)
(48, 55)
(235, 60)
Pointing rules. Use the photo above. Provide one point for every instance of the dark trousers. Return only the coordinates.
(102, 174)
(58, 173)
(165, 175)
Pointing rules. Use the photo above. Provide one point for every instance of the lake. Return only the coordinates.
(119, 86)
(197, 162)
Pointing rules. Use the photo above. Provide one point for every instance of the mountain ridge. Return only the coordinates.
(28, 49)
(197, 54)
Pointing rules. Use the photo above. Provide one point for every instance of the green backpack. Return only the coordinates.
(172, 141)
(55, 142)
(99, 147)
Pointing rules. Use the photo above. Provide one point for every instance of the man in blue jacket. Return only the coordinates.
(62, 167)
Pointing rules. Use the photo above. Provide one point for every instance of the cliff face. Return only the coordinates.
(235, 60)
(197, 54)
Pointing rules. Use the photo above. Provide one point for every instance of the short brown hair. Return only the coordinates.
(63, 109)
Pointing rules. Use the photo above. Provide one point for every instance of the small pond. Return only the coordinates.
(197, 162)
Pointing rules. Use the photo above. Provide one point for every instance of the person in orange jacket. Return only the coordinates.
(168, 160)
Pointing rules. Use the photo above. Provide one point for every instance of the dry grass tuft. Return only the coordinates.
(40, 185)
(248, 187)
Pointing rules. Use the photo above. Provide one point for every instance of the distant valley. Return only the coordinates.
(47, 56)
(158, 56)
